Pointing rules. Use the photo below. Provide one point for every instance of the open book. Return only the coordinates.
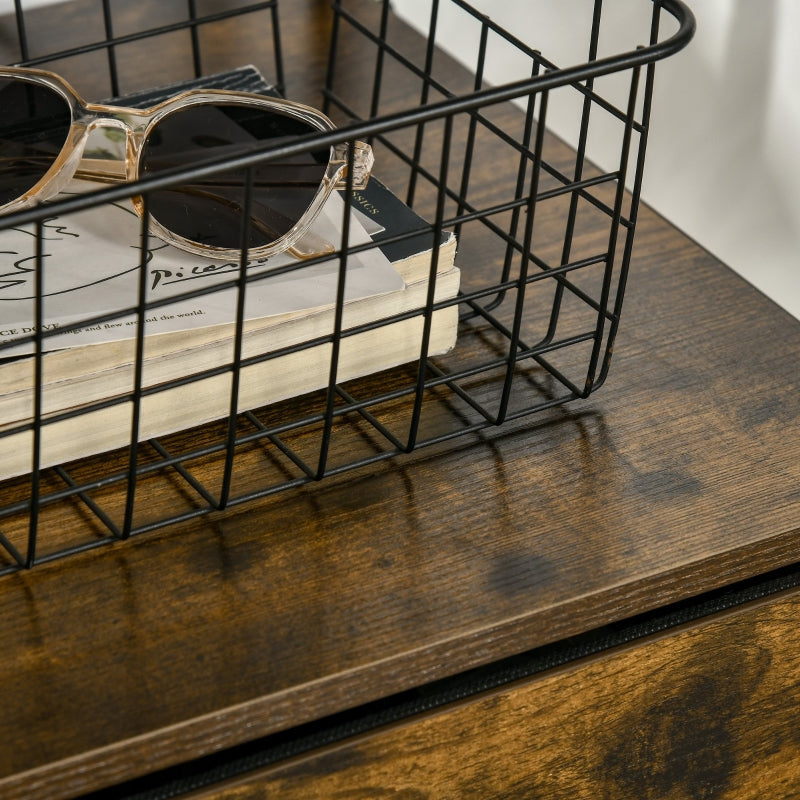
(186, 370)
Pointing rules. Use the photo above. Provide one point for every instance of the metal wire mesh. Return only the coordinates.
(544, 249)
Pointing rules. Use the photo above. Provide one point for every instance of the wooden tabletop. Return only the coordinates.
(680, 475)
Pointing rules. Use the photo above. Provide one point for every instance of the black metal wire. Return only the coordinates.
(22, 35)
(197, 61)
(519, 192)
(110, 51)
(427, 83)
(377, 82)
(514, 338)
(36, 449)
(111, 42)
(236, 360)
(612, 235)
(277, 47)
(444, 166)
(636, 191)
(138, 370)
(580, 160)
(336, 342)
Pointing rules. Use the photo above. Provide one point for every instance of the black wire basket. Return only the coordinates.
(543, 252)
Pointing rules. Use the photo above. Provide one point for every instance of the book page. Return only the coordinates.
(91, 267)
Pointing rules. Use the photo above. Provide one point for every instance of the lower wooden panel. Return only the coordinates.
(709, 711)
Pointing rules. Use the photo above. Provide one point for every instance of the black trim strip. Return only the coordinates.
(238, 761)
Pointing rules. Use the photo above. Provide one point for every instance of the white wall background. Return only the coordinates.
(724, 156)
(7, 6)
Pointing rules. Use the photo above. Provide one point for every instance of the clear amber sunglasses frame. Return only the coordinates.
(137, 125)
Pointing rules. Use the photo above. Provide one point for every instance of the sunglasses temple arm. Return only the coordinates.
(363, 160)
(113, 171)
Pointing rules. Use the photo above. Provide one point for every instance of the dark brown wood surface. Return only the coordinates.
(682, 474)
(709, 710)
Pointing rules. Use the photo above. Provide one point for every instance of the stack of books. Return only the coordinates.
(186, 372)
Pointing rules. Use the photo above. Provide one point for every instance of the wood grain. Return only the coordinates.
(681, 475)
(710, 711)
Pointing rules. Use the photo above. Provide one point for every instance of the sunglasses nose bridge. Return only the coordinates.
(100, 121)
(131, 121)
(112, 136)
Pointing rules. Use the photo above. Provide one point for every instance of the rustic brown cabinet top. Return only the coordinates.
(680, 476)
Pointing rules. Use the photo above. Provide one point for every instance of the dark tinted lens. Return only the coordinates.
(208, 211)
(34, 124)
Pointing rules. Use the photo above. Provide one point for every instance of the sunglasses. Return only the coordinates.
(44, 127)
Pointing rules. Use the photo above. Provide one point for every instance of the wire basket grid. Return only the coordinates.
(544, 249)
